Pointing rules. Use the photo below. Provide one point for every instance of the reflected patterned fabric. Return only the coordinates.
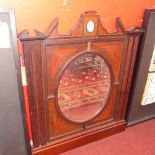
(85, 84)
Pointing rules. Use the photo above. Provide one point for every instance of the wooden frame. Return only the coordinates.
(46, 53)
(137, 112)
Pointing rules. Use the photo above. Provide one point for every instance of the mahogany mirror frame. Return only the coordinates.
(126, 42)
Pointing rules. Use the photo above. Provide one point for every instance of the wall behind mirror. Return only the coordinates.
(68, 11)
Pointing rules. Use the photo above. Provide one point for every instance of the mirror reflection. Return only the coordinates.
(84, 87)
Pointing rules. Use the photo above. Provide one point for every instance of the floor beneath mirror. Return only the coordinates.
(136, 140)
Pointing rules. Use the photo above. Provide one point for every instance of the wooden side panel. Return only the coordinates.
(129, 61)
(33, 61)
(134, 42)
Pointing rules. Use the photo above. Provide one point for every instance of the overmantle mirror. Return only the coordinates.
(78, 83)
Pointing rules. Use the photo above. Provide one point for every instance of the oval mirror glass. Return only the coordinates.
(84, 87)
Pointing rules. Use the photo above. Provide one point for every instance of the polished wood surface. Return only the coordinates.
(47, 53)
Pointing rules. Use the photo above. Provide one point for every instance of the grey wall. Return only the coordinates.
(12, 135)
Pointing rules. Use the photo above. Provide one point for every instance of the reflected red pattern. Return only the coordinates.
(84, 87)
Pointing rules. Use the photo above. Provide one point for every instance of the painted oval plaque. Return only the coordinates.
(84, 87)
(90, 26)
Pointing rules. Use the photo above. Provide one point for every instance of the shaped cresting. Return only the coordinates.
(79, 80)
(89, 25)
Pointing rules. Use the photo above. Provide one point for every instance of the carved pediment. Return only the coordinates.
(89, 25)
(89, 20)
